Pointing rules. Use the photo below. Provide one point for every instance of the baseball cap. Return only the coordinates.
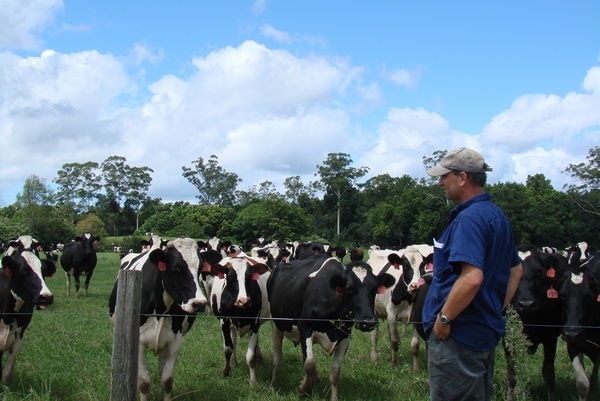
(461, 159)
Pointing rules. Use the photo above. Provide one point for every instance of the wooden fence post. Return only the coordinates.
(126, 336)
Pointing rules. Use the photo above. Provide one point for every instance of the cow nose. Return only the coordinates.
(45, 299)
(199, 306)
(366, 325)
(524, 304)
(570, 334)
(242, 302)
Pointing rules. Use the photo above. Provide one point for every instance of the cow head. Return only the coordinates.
(179, 264)
(580, 292)
(27, 282)
(542, 279)
(242, 274)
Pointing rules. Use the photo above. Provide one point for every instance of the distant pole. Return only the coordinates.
(126, 336)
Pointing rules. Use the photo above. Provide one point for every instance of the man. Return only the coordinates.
(476, 272)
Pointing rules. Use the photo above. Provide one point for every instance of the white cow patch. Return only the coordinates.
(577, 278)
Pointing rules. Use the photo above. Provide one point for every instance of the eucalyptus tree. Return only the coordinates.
(337, 177)
(215, 185)
(79, 184)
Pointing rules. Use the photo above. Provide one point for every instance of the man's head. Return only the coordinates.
(461, 159)
(461, 173)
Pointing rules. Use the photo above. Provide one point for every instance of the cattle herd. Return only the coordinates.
(307, 295)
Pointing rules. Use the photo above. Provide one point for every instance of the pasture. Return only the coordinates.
(66, 356)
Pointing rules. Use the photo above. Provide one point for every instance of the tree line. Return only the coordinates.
(110, 199)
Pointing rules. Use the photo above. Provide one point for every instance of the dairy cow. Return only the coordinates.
(79, 259)
(22, 288)
(580, 293)
(317, 300)
(239, 300)
(170, 299)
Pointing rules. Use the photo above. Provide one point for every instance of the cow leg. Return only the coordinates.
(581, 381)
(310, 367)
(86, 285)
(234, 341)
(15, 349)
(144, 381)
(374, 340)
(228, 346)
(277, 337)
(414, 349)
(251, 353)
(394, 339)
(336, 366)
(167, 360)
(77, 285)
(68, 278)
(548, 368)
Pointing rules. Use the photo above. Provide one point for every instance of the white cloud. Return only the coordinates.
(141, 53)
(404, 77)
(275, 34)
(20, 21)
(259, 6)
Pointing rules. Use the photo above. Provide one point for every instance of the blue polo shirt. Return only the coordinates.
(479, 234)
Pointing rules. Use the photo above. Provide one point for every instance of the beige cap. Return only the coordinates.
(461, 159)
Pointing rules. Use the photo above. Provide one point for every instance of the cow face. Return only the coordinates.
(27, 282)
(581, 296)
(178, 264)
(360, 296)
(242, 275)
(541, 282)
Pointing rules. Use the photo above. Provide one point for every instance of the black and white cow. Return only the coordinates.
(239, 300)
(79, 259)
(308, 248)
(22, 288)
(539, 307)
(393, 304)
(317, 300)
(170, 299)
(580, 292)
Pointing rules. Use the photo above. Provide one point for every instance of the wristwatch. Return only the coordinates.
(444, 319)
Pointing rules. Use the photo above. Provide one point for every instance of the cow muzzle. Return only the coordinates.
(366, 325)
(243, 303)
(45, 299)
(572, 334)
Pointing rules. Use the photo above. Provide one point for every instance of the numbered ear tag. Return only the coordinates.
(552, 293)
(598, 298)
(551, 272)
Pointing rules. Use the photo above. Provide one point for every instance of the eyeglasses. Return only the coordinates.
(450, 172)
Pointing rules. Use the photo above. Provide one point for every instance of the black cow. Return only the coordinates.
(318, 299)
(539, 307)
(171, 297)
(581, 297)
(79, 259)
(239, 300)
(309, 248)
(22, 288)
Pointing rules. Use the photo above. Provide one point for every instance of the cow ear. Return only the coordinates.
(386, 280)
(159, 258)
(9, 266)
(338, 284)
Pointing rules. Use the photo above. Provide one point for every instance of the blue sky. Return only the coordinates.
(272, 87)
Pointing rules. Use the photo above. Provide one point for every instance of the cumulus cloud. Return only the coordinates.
(20, 21)
(404, 77)
(275, 34)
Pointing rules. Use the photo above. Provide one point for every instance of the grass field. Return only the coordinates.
(67, 357)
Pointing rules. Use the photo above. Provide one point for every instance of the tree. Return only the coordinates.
(295, 189)
(587, 173)
(90, 224)
(215, 185)
(337, 177)
(33, 204)
(78, 185)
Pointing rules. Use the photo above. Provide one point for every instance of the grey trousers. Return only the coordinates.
(457, 373)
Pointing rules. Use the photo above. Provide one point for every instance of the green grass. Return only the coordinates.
(67, 357)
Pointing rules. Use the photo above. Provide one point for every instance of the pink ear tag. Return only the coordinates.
(598, 298)
(339, 291)
(381, 289)
(221, 275)
(162, 266)
(255, 276)
(551, 272)
(552, 293)
(429, 267)
(7, 272)
(396, 266)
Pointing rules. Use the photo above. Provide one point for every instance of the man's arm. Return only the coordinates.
(462, 293)
(516, 272)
